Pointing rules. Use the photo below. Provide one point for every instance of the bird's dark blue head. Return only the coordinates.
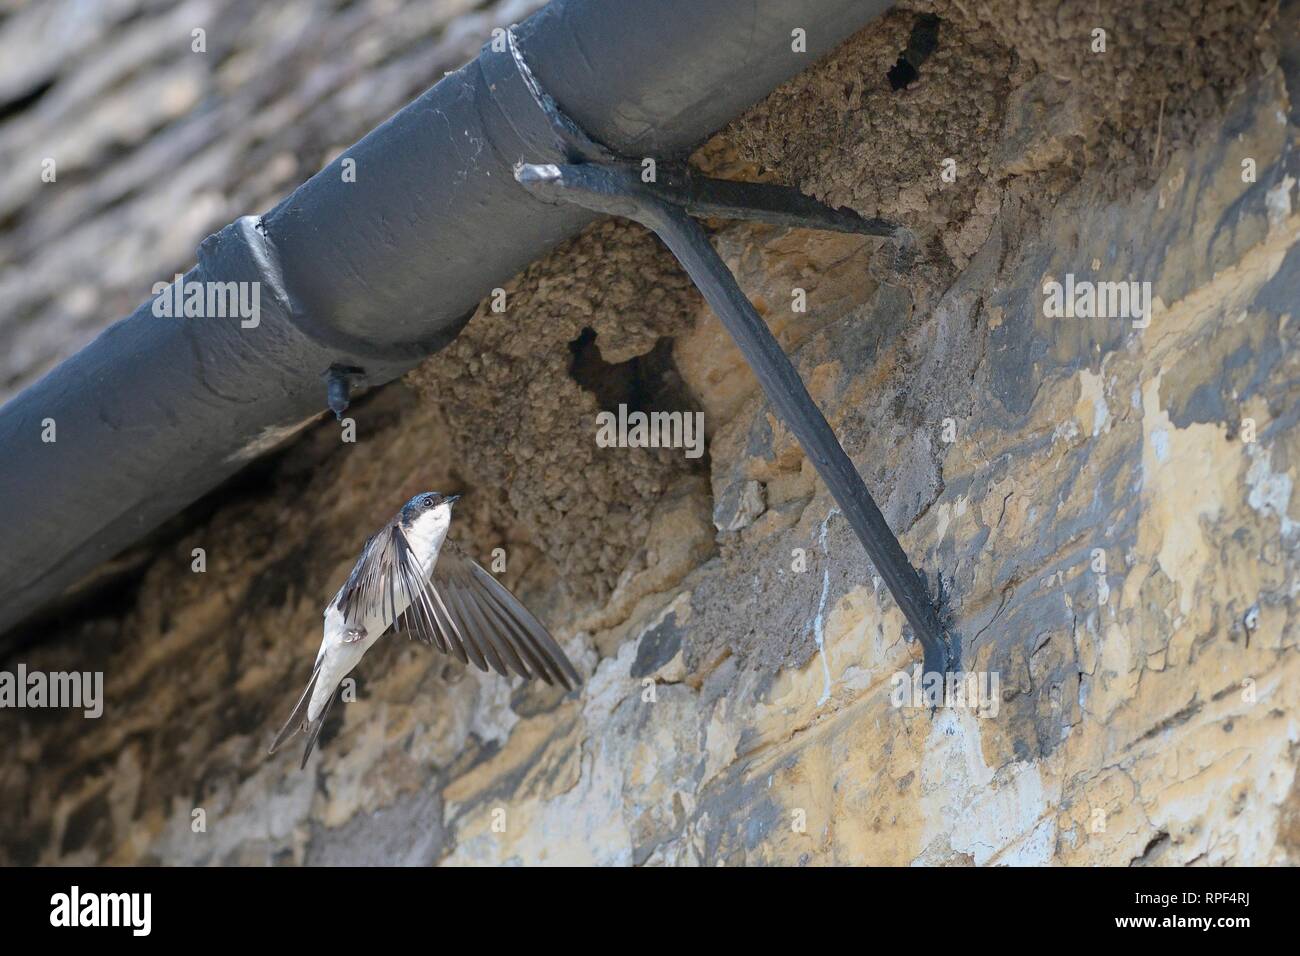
(423, 503)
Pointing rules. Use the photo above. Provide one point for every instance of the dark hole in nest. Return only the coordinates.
(923, 41)
(902, 74)
(644, 383)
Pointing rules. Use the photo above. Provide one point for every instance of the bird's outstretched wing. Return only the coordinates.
(375, 581)
(465, 611)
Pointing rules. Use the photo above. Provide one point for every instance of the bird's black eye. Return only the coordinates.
(428, 501)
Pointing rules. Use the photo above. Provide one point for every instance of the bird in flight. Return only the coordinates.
(411, 578)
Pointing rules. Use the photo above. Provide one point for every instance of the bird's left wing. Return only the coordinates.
(465, 611)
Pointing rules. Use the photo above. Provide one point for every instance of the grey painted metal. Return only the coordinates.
(373, 274)
(664, 207)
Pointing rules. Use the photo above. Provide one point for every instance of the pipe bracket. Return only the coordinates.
(666, 206)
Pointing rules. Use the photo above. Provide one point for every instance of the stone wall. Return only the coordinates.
(1103, 505)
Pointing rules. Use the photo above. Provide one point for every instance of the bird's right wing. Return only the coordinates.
(375, 581)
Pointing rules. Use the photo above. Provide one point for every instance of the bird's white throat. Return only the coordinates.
(427, 532)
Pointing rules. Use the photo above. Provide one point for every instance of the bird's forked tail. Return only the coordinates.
(298, 719)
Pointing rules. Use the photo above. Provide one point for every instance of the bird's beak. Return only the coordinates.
(451, 499)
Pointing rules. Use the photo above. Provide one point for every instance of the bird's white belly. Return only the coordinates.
(340, 655)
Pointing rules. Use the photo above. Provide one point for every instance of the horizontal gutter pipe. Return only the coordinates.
(372, 275)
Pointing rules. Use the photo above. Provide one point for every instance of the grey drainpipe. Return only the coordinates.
(371, 275)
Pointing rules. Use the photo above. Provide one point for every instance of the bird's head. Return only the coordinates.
(428, 507)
